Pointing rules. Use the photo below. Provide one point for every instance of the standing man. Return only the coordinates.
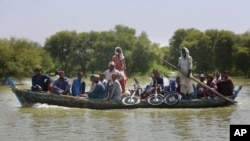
(120, 65)
(185, 65)
(41, 82)
(78, 86)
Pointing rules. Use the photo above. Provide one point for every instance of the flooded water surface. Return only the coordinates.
(47, 122)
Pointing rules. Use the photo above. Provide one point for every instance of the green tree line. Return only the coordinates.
(212, 50)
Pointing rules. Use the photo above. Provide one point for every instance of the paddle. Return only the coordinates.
(204, 85)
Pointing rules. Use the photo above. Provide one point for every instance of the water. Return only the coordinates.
(45, 122)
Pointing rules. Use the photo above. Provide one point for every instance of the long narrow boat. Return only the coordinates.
(29, 98)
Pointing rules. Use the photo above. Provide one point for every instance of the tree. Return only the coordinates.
(242, 62)
(175, 45)
(224, 50)
(19, 57)
(197, 43)
(242, 57)
(200, 50)
(125, 37)
(61, 50)
(142, 57)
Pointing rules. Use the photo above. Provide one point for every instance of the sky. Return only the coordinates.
(37, 20)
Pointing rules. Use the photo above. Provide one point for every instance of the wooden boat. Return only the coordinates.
(29, 98)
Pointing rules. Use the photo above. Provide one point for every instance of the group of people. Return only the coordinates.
(222, 82)
(183, 84)
(109, 84)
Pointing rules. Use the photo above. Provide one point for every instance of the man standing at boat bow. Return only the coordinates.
(185, 65)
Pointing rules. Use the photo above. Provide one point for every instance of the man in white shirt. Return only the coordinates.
(108, 75)
(185, 64)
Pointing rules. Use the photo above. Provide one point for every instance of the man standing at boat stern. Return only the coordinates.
(185, 65)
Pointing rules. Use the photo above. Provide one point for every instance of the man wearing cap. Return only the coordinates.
(61, 85)
(99, 90)
(78, 86)
(41, 82)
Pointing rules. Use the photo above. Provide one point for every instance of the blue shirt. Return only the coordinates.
(78, 87)
(98, 92)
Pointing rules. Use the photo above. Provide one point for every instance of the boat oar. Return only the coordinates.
(204, 85)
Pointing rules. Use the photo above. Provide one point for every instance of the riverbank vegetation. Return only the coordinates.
(212, 50)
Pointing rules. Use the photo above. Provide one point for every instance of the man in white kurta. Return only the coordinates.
(108, 75)
(185, 65)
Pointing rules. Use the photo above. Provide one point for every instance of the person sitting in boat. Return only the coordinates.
(225, 86)
(217, 77)
(115, 93)
(108, 75)
(78, 86)
(174, 85)
(103, 79)
(61, 85)
(99, 90)
(212, 85)
(41, 82)
(177, 89)
(93, 84)
(55, 77)
(200, 89)
(158, 83)
(157, 79)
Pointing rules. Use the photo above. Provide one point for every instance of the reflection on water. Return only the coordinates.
(46, 122)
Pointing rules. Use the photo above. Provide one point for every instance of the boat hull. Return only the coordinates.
(28, 97)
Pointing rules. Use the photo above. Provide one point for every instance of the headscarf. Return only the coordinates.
(120, 54)
(186, 50)
(189, 59)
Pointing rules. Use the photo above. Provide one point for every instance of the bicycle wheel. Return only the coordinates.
(155, 100)
(172, 99)
(130, 100)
